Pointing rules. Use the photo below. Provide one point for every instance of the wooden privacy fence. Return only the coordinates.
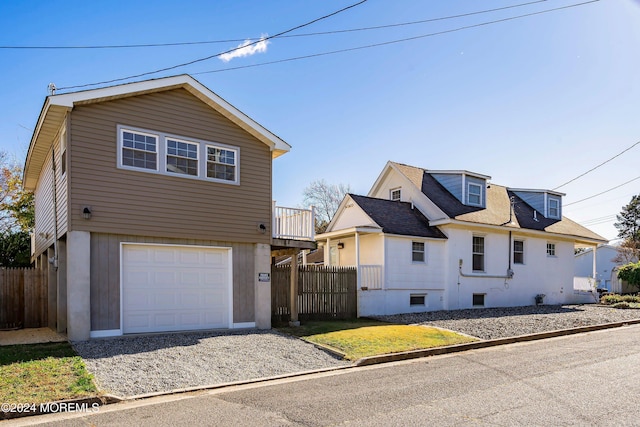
(23, 298)
(323, 293)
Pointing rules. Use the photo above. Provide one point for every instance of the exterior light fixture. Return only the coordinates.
(86, 212)
(340, 245)
(262, 228)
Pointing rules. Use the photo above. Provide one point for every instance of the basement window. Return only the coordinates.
(478, 300)
(417, 299)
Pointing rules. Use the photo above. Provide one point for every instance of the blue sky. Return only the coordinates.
(532, 102)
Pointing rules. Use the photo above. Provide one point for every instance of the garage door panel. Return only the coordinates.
(175, 288)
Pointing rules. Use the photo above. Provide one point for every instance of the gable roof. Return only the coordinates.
(56, 107)
(397, 217)
(498, 207)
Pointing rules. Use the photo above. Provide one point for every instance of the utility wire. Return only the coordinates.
(221, 53)
(333, 52)
(606, 191)
(596, 167)
(321, 33)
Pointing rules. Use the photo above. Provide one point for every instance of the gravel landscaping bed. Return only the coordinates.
(491, 323)
(129, 366)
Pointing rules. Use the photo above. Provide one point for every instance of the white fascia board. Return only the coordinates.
(276, 144)
(531, 190)
(347, 232)
(381, 177)
(461, 172)
(519, 230)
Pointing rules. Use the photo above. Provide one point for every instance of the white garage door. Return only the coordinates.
(175, 288)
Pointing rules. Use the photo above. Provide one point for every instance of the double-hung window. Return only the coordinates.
(162, 153)
(221, 163)
(182, 157)
(417, 252)
(478, 253)
(554, 208)
(518, 252)
(474, 195)
(395, 194)
(551, 249)
(139, 150)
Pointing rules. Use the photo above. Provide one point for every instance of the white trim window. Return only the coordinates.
(221, 163)
(157, 152)
(518, 251)
(474, 194)
(477, 253)
(418, 252)
(395, 194)
(554, 207)
(182, 157)
(551, 249)
(139, 150)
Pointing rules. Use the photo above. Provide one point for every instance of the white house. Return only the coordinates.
(439, 240)
(605, 264)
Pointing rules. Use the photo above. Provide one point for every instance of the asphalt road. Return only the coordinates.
(586, 379)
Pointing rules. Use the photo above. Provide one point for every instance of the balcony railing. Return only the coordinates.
(293, 223)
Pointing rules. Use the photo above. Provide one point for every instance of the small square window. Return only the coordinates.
(417, 299)
(518, 252)
(551, 249)
(395, 195)
(478, 300)
(417, 252)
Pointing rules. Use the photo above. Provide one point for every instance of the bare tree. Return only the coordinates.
(326, 199)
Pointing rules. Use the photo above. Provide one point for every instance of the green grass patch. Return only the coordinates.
(362, 337)
(40, 373)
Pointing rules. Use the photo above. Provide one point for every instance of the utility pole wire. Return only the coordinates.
(596, 167)
(221, 53)
(603, 192)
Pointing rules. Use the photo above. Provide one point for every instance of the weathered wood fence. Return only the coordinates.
(23, 298)
(323, 293)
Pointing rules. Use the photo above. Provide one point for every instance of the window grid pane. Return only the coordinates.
(417, 249)
(475, 194)
(518, 252)
(551, 249)
(182, 157)
(221, 164)
(139, 150)
(478, 254)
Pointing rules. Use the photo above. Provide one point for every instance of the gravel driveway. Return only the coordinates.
(134, 365)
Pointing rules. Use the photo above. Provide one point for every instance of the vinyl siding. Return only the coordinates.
(535, 200)
(452, 182)
(157, 205)
(44, 221)
(105, 276)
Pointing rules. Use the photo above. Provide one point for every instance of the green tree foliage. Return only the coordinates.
(631, 274)
(628, 226)
(325, 198)
(17, 215)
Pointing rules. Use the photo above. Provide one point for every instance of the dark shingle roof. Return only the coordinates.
(397, 217)
(498, 207)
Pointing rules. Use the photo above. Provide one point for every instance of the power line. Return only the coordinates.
(603, 192)
(221, 53)
(348, 30)
(333, 52)
(596, 167)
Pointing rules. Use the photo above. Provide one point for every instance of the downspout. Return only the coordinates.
(54, 261)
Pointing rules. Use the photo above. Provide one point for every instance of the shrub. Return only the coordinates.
(631, 274)
(612, 299)
(621, 305)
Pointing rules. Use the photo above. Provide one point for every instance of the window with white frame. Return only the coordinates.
(474, 194)
(551, 249)
(417, 252)
(518, 252)
(554, 207)
(221, 163)
(395, 194)
(157, 152)
(478, 253)
(139, 150)
(182, 157)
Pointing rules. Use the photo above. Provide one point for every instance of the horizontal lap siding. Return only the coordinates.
(105, 276)
(146, 204)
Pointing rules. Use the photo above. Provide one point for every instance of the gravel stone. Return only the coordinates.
(128, 366)
(492, 323)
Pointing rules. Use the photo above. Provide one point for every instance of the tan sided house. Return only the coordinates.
(153, 210)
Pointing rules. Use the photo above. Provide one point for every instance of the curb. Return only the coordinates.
(84, 404)
(414, 354)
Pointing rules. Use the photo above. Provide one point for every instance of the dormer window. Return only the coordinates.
(395, 194)
(554, 208)
(474, 194)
